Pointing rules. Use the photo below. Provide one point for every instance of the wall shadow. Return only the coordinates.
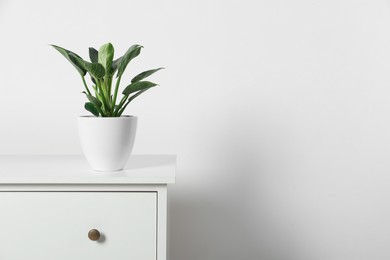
(229, 220)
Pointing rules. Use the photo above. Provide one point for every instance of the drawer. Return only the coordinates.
(55, 225)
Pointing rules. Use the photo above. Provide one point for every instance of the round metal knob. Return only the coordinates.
(94, 234)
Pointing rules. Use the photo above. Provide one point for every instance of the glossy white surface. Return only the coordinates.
(54, 225)
(74, 169)
(107, 141)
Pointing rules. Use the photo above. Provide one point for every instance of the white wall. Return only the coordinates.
(278, 111)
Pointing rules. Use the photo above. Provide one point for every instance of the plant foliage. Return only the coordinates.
(102, 101)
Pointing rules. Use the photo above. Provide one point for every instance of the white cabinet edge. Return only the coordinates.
(73, 169)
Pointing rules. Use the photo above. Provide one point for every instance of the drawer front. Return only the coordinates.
(55, 225)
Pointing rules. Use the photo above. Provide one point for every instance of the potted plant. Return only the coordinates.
(107, 136)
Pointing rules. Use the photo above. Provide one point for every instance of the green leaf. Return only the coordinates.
(91, 108)
(93, 55)
(93, 100)
(95, 69)
(144, 74)
(137, 94)
(131, 53)
(136, 86)
(106, 55)
(115, 65)
(66, 54)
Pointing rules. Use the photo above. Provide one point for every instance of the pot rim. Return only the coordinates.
(108, 118)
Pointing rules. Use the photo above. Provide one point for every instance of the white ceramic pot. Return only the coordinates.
(107, 141)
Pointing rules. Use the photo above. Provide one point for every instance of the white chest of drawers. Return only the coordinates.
(55, 208)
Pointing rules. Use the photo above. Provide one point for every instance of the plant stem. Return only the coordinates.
(109, 83)
(116, 92)
(100, 110)
(85, 84)
(96, 91)
(104, 101)
(119, 113)
(106, 95)
(103, 90)
(120, 104)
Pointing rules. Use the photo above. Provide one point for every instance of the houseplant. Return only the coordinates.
(107, 136)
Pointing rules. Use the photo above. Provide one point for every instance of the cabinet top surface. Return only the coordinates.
(74, 169)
